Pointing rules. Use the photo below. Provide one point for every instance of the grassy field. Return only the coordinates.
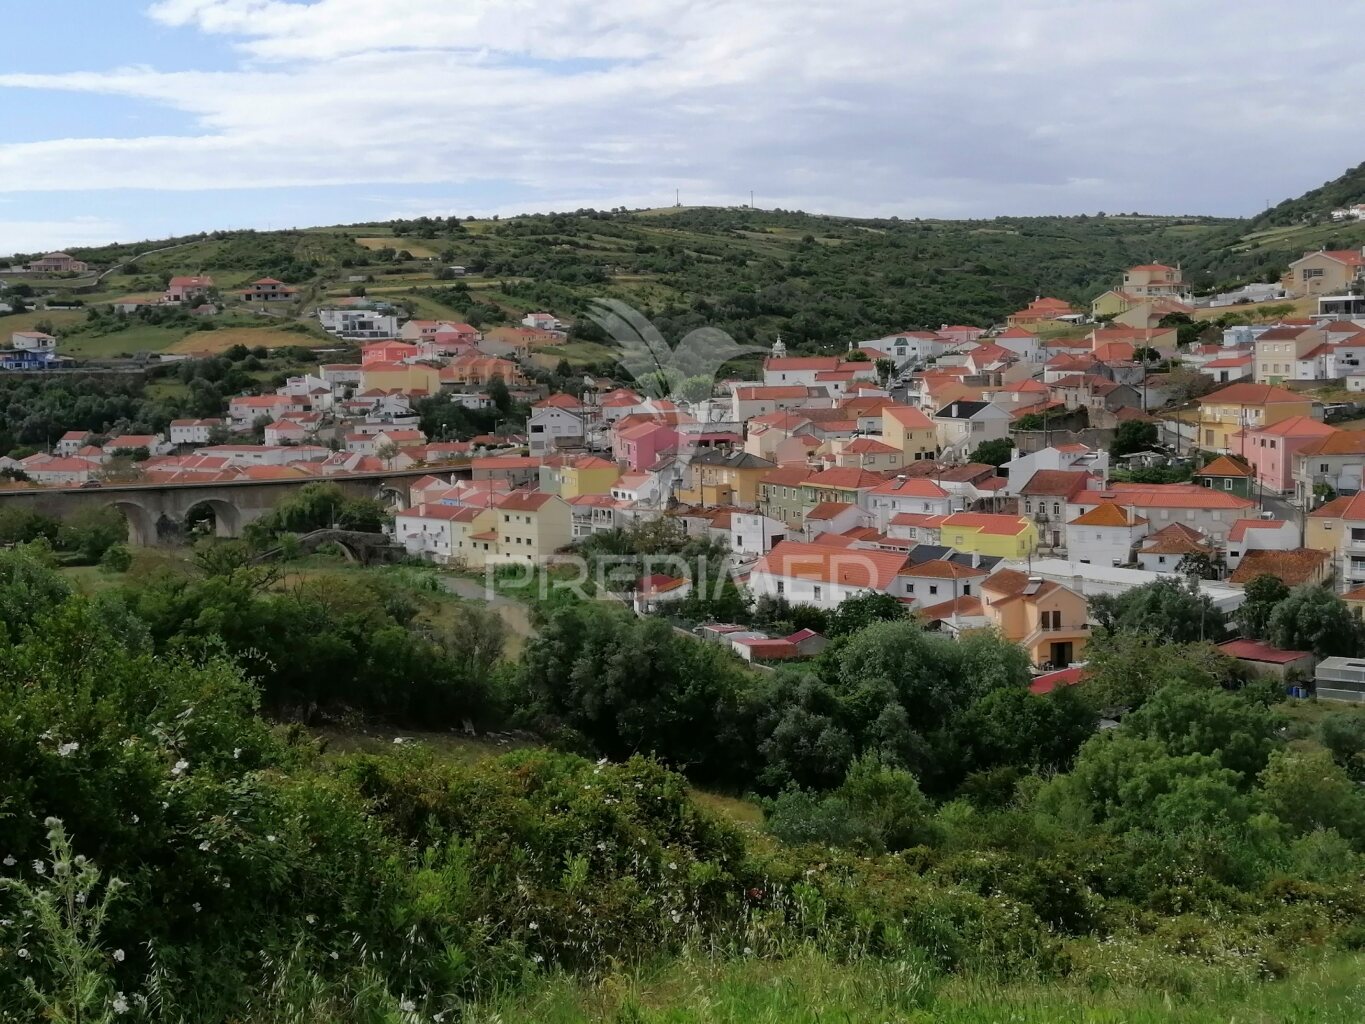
(809, 988)
(422, 250)
(59, 319)
(121, 344)
(213, 342)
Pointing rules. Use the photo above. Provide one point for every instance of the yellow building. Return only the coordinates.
(910, 431)
(984, 533)
(578, 475)
(530, 526)
(1248, 407)
(1328, 272)
(1046, 619)
(724, 478)
(404, 377)
(1110, 304)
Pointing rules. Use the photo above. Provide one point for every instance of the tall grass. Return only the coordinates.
(810, 988)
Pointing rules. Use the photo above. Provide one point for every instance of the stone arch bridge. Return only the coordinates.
(157, 514)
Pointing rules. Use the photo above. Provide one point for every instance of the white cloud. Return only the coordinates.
(37, 235)
(905, 106)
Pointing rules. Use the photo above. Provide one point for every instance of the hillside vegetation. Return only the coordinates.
(820, 281)
(936, 843)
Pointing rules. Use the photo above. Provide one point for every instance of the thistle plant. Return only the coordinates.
(59, 917)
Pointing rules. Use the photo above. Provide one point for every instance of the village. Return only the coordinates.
(980, 477)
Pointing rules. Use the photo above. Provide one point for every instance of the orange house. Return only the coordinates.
(1048, 620)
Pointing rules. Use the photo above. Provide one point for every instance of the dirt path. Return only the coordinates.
(514, 613)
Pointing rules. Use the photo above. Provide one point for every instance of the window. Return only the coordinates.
(1160, 559)
(1324, 468)
(933, 589)
(781, 587)
(1227, 485)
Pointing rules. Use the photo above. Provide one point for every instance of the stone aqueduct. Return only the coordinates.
(156, 515)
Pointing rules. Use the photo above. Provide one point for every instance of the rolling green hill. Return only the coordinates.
(821, 281)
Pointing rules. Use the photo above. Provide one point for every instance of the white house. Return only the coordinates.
(961, 426)
(1164, 549)
(822, 575)
(1107, 534)
(751, 533)
(1021, 469)
(73, 441)
(1211, 512)
(917, 495)
(907, 347)
(832, 517)
(1249, 535)
(559, 417)
(358, 324)
(937, 580)
(1025, 345)
(70, 471)
(192, 431)
(433, 532)
(32, 341)
(542, 322)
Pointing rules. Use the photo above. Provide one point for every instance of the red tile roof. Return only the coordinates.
(848, 567)
(1254, 650)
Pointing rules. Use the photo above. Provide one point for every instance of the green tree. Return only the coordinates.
(993, 453)
(1238, 733)
(1262, 596)
(1314, 619)
(1173, 610)
(857, 613)
(1125, 668)
(1133, 436)
(1307, 790)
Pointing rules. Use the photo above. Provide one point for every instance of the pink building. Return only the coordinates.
(1271, 450)
(640, 445)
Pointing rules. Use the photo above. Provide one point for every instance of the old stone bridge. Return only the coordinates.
(157, 514)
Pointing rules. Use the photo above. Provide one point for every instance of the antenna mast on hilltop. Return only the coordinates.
(677, 197)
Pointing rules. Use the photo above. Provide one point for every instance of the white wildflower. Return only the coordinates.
(538, 959)
(333, 954)
(398, 741)
(311, 919)
(10, 861)
(236, 753)
(407, 1006)
(205, 845)
(120, 1003)
(119, 955)
(67, 749)
(748, 951)
(672, 866)
(136, 819)
(40, 867)
(180, 766)
(23, 953)
(270, 838)
(677, 916)
(197, 907)
(534, 927)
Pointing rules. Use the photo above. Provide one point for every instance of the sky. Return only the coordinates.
(129, 119)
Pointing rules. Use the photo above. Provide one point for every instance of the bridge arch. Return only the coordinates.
(395, 495)
(213, 515)
(142, 531)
